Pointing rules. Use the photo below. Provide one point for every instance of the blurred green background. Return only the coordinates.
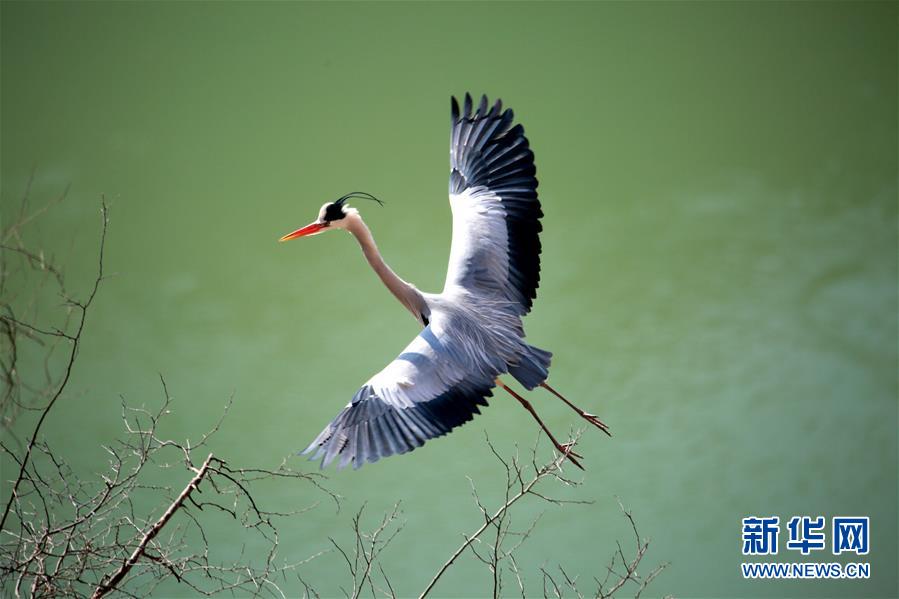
(719, 267)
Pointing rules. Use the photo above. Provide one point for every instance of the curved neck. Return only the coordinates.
(406, 293)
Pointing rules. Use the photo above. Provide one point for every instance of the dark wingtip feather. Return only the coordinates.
(454, 109)
(488, 149)
(370, 428)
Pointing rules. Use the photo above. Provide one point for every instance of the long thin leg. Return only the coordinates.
(564, 449)
(588, 417)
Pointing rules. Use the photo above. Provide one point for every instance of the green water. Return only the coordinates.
(719, 268)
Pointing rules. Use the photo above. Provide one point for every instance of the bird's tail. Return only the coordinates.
(532, 367)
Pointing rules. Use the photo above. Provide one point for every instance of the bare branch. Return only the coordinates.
(551, 469)
(116, 578)
(65, 534)
(73, 354)
(62, 534)
(630, 566)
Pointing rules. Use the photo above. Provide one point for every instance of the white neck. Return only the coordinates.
(405, 292)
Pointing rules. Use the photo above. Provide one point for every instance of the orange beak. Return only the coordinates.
(310, 229)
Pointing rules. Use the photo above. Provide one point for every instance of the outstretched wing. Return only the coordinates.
(496, 213)
(435, 385)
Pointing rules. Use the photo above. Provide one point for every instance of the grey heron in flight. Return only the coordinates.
(472, 331)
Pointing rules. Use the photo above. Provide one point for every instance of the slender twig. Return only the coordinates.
(64, 534)
(552, 468)
(110, 584)
(73, 354)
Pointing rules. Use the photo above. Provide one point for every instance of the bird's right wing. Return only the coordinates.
(435, 385)
(496, 213)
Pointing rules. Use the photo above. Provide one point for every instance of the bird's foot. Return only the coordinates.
(592, 419)
(566, 449)
(595, 421)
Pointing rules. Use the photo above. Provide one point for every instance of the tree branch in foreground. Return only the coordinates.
(66, 535)
(119, 574)
(11, 323)
(75, 537)
(495, 542)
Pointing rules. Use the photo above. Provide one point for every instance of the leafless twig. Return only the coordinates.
(77, 537)
(118, 575)
(75, 341)
(530, 479)
(66, 535)
(519, 484)
(365, 554)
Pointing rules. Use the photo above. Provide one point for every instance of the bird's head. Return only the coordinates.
(333, 215)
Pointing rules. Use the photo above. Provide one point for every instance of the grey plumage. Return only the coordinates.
(473, 331)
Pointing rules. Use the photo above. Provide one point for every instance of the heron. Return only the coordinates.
(472, 332)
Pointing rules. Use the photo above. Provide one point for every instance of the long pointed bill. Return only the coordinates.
(310, 229)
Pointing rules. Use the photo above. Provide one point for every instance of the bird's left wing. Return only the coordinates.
(435, 385)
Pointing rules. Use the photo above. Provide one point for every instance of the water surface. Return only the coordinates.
(719, 265)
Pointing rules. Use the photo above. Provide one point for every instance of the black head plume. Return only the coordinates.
(360, 195)
(334, 211)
